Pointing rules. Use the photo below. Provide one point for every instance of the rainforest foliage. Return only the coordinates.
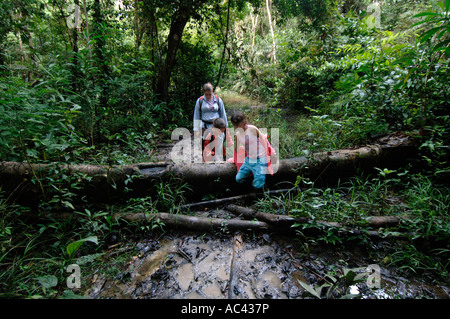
(106, 81)
(80, 77)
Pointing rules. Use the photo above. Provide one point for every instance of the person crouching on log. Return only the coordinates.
(208, 108)
(214, 147)
(257, 153)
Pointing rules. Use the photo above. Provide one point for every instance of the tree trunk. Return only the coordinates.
(224, 44)
(137, 29)
(108, 183)
(74, 59)
(101, 77)
(2, 60)
(274, 47)
(254, 19)
(179, 21)
(88, 36)
(235, 266)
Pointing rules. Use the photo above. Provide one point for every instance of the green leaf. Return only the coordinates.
(309, 289)
(421, 22)
(74, 246)
(441, 45)
(427, 35)
(48, 281)
(69, 294)
(349, 277)
(68, 204)
(426, 14)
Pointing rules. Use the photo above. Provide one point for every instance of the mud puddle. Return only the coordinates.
(217, 266)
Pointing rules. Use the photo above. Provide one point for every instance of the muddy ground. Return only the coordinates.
(248, 265)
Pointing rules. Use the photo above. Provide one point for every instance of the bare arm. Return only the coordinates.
(197, 118)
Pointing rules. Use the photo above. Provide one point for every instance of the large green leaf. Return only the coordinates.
(48, 281)
(69, 294)
(427, 14)
(74, 246)
(427, 35)
(309, 289)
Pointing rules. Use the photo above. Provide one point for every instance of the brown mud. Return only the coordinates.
(221, 265)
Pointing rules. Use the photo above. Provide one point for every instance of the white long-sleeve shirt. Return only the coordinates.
(210, 110)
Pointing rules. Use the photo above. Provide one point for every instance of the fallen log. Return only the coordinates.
(287, 220)
(233, 199)
(204, 224)
(273, 219)
(195, 222)
(235, 266)
(103, 183)
(382, 221)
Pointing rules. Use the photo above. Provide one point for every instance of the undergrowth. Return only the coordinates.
(37, 246)
(421, 204)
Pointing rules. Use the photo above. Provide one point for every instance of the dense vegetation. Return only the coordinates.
(103, 81)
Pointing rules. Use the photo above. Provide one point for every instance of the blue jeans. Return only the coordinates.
(256, 166)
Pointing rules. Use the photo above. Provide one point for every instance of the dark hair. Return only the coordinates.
(219, 123)
(237, 118)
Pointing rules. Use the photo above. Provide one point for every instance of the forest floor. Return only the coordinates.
(218, 265)
(225, 264)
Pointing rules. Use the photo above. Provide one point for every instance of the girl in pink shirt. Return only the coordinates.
(257, 152)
